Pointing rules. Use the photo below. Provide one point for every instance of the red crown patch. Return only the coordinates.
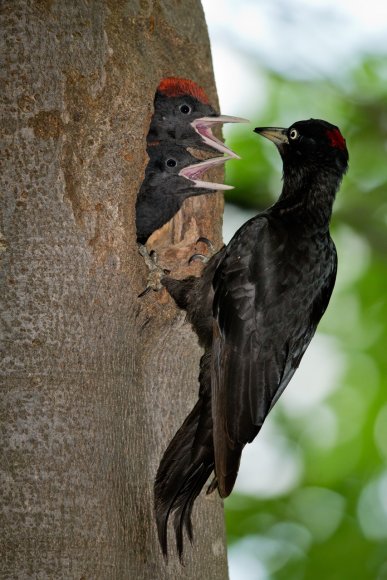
(336, 139)
(177, 87)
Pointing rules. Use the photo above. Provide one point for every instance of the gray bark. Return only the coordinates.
(94, 381)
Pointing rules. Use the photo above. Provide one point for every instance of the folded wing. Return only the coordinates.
(261, 329)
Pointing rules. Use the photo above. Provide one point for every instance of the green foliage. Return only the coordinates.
(333, 522)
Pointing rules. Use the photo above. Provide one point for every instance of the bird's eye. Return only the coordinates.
(185, 109)
(293, 134)
(171, 163)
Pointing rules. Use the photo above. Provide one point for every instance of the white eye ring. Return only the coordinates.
(293, 134)
(185, 109)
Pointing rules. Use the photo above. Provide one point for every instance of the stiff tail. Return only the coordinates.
(185, 467)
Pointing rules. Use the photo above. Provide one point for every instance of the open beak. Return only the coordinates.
(203, 126)
(276, 134)
(192, 172)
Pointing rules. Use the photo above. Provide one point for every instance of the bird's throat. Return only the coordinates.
(308, 196)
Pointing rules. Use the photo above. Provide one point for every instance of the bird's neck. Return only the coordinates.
(307, 197)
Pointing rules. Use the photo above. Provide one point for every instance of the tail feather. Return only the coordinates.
(184, 469)
(171, 487)
(182, 517)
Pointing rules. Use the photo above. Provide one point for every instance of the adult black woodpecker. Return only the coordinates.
(182, 113)
(172, 175)
(255, 309)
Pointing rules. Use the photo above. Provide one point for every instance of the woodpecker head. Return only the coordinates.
(182, 112)
(175, 172)
(309, 145)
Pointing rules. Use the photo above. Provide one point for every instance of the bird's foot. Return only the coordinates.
(156, 272)
(203, 258)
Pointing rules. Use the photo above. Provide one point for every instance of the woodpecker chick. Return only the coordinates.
(171, 176)
(182, 113)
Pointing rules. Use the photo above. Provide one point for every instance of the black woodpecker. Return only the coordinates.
(170, 177)
(182, 113)
(255, 309)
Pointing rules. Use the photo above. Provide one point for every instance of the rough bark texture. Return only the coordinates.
(94, 381)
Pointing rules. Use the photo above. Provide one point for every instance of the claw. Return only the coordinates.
(156, 272)
(144, 292)
(202, 257)
(195, 257)
(207, 242)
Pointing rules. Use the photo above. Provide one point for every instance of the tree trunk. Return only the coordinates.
(95, 380)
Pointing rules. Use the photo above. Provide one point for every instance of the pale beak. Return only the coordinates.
(197, 169)
(203, 126)
(276, 134)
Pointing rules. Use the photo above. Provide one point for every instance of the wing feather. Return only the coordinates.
(262, 326)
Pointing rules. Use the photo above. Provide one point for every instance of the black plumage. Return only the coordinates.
(182, 113)
(255, 309)
(170, 177)
(182, 118)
